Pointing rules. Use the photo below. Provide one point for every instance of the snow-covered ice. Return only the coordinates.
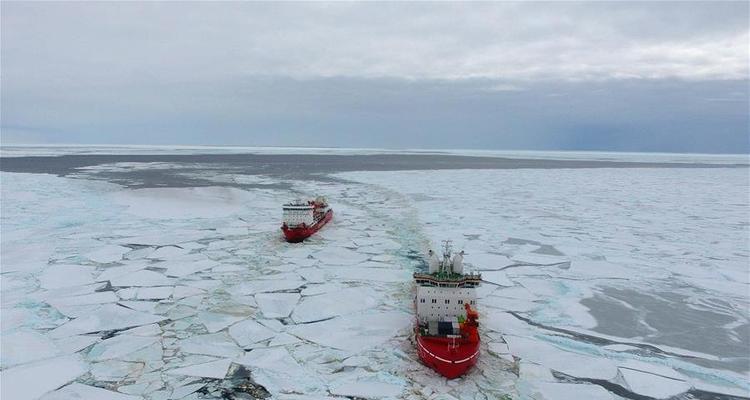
(277, 305)
(108, 317)
(119, 346)
(32, 380)
(78, 391)
(212, 369)
(354, 333)
(123, 294)
(250, 331)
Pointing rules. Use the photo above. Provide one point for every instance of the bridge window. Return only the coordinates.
(421, 300)
(447, 301)
(434, 301)
(460, 302)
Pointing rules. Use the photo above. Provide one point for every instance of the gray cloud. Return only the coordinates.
(111, 42)
(621, 76)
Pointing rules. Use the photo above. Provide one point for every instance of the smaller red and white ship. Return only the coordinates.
(447, 331)
(303, 218)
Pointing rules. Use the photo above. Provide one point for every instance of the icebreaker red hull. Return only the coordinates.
(449, 357)
(298, 234)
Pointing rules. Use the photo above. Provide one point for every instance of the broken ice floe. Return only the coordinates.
(23, 382)
(165, 302)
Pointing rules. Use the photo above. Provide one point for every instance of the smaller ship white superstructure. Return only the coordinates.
(297, 213)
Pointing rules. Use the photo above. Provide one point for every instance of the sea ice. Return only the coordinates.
(316, 289)
(539, 259)
(279, 372)
(60, 276)
(119, 346)
(582, 232)
(115, 370)
(24, 346)
(145, 330)
(213, 369)
(354, 333)
(359, 274)
(497, 277)
(87, 299)
(143, 277)
(107, 254)
(569, 391)
(487, 261)
(339, 256)
(113, 272)
(187, 266)
(167, 252)
(213, 344)
(249, 331)
(23, 382)
(77, 391)
(367, 389)
(154, 293)
(25, 257)
(215, 322)
(277, 305)
(184, 203)
(108, 317)
(144, 306)
(186, 291)
(331, 304)
(651, 385)
(182, 391)
(74, 344)
(574, 364)
(266, 286)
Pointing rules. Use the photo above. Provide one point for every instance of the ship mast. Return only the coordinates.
(446, 264)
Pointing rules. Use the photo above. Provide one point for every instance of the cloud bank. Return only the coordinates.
(280, 72)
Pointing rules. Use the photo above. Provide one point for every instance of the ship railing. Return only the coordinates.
(448, 279)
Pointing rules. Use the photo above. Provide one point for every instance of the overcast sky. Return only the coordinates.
(649, 76)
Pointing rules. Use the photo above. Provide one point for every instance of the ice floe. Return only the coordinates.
(277, 305)
(279, 372)
(367, 389)
(184, 203)
(331, 304)
(162, 291)
(215, 322)
(78, 391)
(143, 277)
(250, 331)
(648, 382)
(212, 369)
(107, 254)
(214, 344)
(570, 391)
(23, 382)
(60, 276)
(119, 346)
(24, 346)
(108, 317)
(354, 333)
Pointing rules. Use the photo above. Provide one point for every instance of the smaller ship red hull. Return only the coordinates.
(449, 357)
(298, 234)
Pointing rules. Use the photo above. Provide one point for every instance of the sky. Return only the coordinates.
(614, 76)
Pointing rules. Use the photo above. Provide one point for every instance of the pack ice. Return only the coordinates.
(590, 277)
